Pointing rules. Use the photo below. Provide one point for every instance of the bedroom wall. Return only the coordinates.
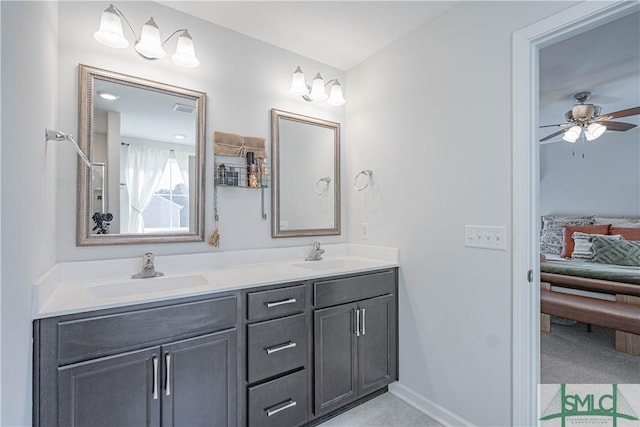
(605, 182)
(436, 132)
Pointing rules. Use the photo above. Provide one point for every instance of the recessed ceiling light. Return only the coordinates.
(179, 136)
(108, 96)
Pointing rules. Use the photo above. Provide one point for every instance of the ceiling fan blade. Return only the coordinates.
(617, 126)
(548, 137)
(559, 124)
(622, 113)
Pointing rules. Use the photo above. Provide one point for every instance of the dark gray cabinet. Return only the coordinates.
(355, 343)
(153, 365)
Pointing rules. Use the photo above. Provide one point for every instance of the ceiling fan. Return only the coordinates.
(587, 117)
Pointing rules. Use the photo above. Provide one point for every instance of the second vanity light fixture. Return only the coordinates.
(149, 45)
(317, 90)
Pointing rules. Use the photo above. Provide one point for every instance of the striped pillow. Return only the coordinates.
(619, 252)
(551, 234)
(583, 250)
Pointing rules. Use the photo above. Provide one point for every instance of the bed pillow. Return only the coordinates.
(583, 250)
(626, 233)
(551, 233)
(567, 235)
(619, 252)
(619, 222)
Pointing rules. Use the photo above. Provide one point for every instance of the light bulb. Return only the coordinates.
(594, 131)
(572, 134)
(185, 55)
(298, 84)
(317, 88)
(110, 31)
(150, 44)
(335, 95)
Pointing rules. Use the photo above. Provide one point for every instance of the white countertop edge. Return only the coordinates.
(63, 288)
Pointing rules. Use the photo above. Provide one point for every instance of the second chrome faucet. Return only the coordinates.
(316, 253)
(148, 268)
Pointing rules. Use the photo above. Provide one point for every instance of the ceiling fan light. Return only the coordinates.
(572, 134)
(110, 31)
(582, 111)
(594, 131)
(150, 44)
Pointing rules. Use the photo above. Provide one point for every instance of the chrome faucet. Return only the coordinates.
(148, 269)
(316, 253)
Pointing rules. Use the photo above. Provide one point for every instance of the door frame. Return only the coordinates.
(526, 44)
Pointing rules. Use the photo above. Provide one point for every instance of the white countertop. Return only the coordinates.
(76, 287)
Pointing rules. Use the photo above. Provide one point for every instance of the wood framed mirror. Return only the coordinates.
(306, 175)
(146, 140)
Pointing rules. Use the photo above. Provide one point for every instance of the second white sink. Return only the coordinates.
(136, 287)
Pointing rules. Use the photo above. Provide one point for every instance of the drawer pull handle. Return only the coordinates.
(277, 303)
(280, 347)
(357, 331)
(288, 404)
(167, 385)
(154, 385)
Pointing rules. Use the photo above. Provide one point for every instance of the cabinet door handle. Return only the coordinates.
(167, 371)
(277, 303)
(357, 312)
(363, 320)
(288, 404)
(154, 385)
(280, 347)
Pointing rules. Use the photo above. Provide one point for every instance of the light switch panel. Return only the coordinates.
(486, 236)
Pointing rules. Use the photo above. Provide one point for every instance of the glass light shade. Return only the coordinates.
(572, 134)
(110, 31)
(317, 88)
(150, 44)
(335, 95)
(185, 55)
(298, 84)
(594, 131)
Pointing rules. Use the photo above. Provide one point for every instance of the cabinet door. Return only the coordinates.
(335, 357)
(199, 381)
(377, 348)
(119, 390)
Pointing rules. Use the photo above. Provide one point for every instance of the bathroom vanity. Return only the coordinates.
(277, 353)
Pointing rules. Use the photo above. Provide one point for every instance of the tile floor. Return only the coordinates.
(385, 410)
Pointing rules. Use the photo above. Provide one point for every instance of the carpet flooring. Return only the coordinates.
(571, 355)
(385, 410)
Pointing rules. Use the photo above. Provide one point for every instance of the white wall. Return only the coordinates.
(243, 78)
(436, 132)
(605, 182)
(29, 92)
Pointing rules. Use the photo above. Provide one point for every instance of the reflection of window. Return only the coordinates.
(169, 208)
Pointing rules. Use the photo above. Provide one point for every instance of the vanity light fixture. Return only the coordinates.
(149, 45)
(316, 91)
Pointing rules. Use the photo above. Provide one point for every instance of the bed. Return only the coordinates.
(595, 293)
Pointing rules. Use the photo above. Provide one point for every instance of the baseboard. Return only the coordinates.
(430, 408)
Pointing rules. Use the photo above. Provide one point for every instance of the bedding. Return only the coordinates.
(568, 243)
(551, 235)
(616, 252)
(590, 270)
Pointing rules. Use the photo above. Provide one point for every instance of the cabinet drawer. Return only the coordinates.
(279, 403)
(276, 302)
(85, 338)
(276, 346)
(346, 289)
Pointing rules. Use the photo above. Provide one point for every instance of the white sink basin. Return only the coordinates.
(151, 286)
(331, 264)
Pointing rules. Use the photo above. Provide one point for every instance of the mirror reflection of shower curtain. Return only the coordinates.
(143, 172)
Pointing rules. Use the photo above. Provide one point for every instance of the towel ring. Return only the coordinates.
(368, 173)
(326, 180)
